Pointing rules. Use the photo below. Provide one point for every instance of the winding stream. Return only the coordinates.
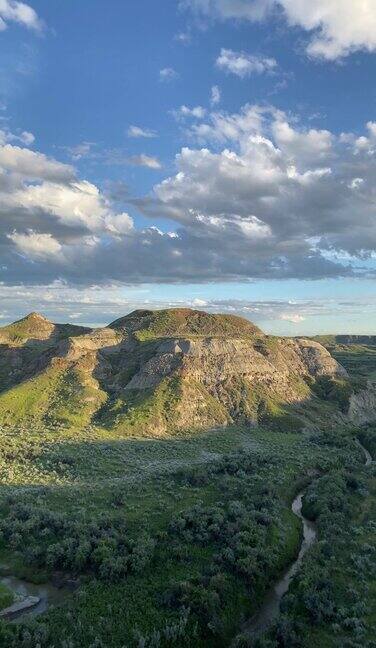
(269, 610)
(49, 595)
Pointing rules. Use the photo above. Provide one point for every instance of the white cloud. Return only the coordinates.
(24, 138)
(168, 74)
(137, 131)
(27, 138)
(215, 95)
(31, 184)
(258, 196)
(37, 246)
(197, 112)
(243, 64)
(19, 12)
(79, 151)
(145, 161)
(30, 164)
(221, 127)
(339, 26)
(307, 144)
(199, 303)
(299, 184)
(336, 27)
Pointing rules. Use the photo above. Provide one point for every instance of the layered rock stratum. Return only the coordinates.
(151, 372)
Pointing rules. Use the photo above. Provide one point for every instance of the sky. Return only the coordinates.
(217, 154)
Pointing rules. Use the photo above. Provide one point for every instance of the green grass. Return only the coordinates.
(6, 596)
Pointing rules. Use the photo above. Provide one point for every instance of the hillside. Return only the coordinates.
(35, 327)
(152, 372)
(151, 466)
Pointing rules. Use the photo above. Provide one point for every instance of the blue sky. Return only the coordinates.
(215, 153)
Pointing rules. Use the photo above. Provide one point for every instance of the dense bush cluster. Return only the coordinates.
(215, 559)
(239, 531)
(53, 541)
(246, 534)
(331, 590)
(236, 464)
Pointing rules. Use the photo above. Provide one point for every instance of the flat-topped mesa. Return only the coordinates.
(184, 322)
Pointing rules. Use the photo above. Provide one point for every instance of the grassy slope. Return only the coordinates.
(55, 396)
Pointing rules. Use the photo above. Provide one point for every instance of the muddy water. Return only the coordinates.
(48, 595)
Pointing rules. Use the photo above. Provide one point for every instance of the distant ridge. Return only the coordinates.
(346, 339)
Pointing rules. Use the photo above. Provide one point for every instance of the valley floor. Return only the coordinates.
(175, 541)
(209, 518)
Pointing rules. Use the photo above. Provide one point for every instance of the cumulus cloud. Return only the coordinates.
(32, 165)
(38, 191)
(137, 131)
(256, 195)
(37, 246)
(336, 27)
(18, 12)
(305, 185)
(243, 64)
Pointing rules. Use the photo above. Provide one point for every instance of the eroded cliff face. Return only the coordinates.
(212, 362)
(362, 408)
(224, 381)
(149, 380)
